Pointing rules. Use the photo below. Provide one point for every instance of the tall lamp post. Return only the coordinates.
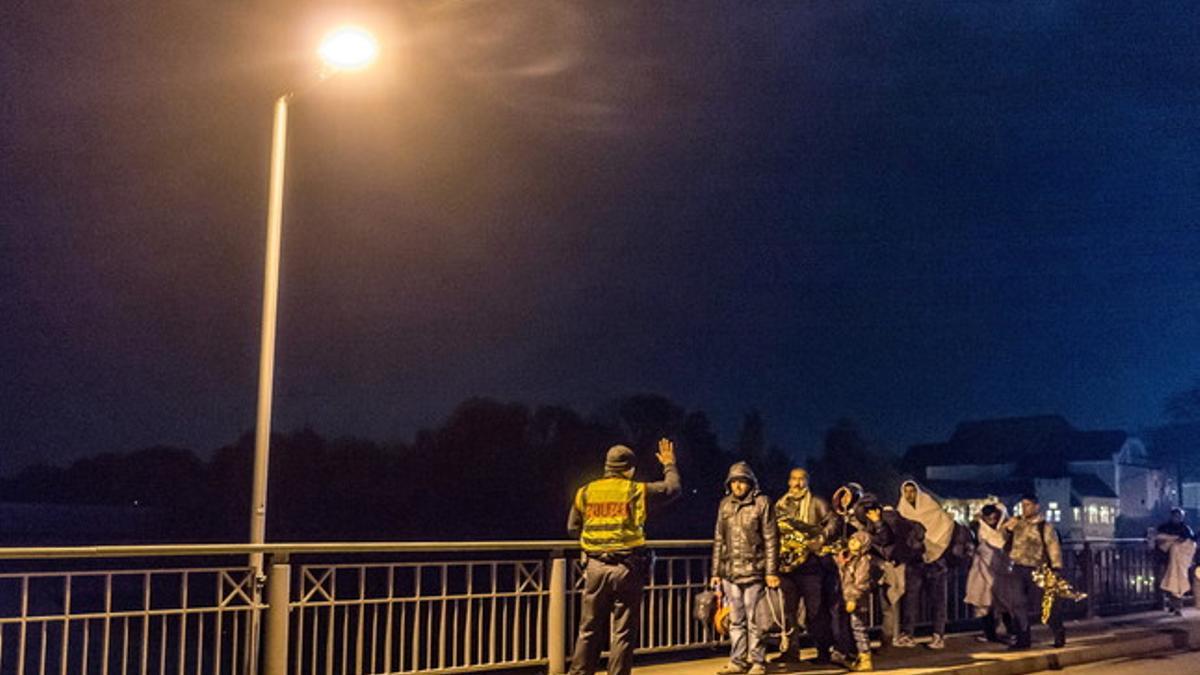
(345, 49)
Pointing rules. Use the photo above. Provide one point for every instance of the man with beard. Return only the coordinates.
(810, 580)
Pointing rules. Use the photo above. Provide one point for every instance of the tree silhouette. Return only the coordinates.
(752, 439)
(492, 470)
(849, 457)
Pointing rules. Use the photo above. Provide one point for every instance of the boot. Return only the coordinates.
(1060, 638)
(863, 663)
(988, 621)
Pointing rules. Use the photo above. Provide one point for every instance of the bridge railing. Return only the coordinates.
(341, 608)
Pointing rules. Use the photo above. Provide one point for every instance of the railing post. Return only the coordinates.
(1089, 581)
(279, 596)
(556, 625)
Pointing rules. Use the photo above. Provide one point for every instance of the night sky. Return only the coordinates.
(909, 214)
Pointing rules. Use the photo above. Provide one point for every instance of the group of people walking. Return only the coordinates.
(829, 556)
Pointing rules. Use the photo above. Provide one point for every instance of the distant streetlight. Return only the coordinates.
(345, 49)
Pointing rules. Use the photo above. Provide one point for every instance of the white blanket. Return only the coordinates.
(988, 564)
(939, 525)
(1180, 553)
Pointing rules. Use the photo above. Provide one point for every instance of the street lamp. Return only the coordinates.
(345, 49)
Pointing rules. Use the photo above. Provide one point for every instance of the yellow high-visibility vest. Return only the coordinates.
(614, 514)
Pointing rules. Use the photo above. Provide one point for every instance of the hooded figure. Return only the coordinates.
(745, 555)
(990, 560)
(939, 525)
(846, 498)
(746, 538)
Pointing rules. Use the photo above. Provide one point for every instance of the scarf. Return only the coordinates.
(805, 506)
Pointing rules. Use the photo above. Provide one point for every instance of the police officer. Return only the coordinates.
(608, 516)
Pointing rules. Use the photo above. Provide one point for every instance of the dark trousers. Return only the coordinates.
(1026, 597)
(988, 623)
(921, 580)
(806, 584)
(611, 590)
(843, 634)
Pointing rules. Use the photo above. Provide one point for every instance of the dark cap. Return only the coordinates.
(619, 458)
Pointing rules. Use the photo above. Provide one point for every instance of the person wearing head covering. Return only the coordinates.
(608, 516)
(845, 502)
(927, 576)
(801, 511)
(989, 565)
(897, 543)
(745, 557)
(856, 568)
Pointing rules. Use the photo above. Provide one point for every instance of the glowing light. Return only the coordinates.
(349, 48)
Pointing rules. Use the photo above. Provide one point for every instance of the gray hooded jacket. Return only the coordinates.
(746, 540)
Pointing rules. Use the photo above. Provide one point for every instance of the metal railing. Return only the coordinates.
(341, 608)
(126, 621)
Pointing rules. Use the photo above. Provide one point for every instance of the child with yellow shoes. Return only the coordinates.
(855, 565)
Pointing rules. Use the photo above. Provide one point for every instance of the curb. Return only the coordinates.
(1167, 639)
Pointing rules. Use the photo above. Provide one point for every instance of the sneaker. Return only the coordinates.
(731, 668)
(1060, 641)
(984, 639)
(757, 669)
(938, 642)
(839, 658)
(903, 641)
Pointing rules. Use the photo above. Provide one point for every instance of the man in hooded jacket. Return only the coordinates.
(745, 556)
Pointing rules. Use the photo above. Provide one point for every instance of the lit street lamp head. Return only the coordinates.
(348, 48)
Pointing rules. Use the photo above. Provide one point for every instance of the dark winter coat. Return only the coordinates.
(746, 539)
(895, 538)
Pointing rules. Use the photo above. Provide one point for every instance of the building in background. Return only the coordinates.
(1083, 479)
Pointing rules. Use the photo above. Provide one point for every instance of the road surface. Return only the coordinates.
(1171, 663)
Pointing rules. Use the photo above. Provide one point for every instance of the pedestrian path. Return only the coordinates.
(1087, 641)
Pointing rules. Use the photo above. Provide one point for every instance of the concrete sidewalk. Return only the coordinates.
(1087, 641)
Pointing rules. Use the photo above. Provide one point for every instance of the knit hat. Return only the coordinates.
(619, 458)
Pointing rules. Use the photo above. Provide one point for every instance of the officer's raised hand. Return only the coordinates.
(666, 452)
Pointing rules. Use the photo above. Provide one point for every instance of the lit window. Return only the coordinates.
(1053, 513)
(1093, 513)
(1107, 514)
(1076, 514)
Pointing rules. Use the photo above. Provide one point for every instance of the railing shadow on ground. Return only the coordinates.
(382, 607)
